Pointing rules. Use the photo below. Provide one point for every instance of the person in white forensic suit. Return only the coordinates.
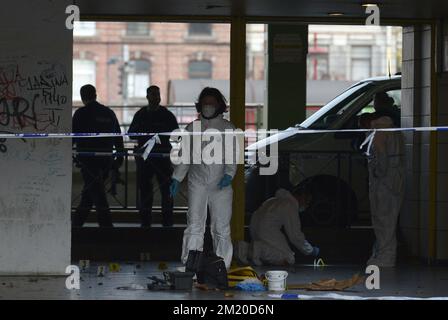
(209, 184)
(269, 244)
(386, 188)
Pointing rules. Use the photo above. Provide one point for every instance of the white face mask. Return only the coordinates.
(302, 209)
(208, 111)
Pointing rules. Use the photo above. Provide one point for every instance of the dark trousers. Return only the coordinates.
(146, 170)
(94, 193)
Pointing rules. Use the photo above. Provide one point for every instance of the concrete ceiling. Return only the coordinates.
(309, 9)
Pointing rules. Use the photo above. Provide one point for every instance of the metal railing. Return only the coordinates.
(127, 198)
(298, 166)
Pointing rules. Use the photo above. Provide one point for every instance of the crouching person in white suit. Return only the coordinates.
(269, 244)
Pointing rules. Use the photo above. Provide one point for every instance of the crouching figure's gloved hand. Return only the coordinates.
(225, 181)
(315, 253)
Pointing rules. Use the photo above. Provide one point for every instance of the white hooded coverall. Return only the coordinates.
(203, 192)
(386, 190)
(269, 244)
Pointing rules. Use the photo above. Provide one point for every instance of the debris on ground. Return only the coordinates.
(100, 271)
(114, 267)
(319, 263)
(204, 287)
(252, 284)
(329, 284)
(132, 287)
(162, 266)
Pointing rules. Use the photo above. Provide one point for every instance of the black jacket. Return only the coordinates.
(154, 121)
(96, 118)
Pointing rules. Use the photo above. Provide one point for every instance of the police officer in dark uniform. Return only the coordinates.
(154, 118)
(95, 118)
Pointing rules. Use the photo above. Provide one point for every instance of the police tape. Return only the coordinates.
(119, 154)
(211, 132)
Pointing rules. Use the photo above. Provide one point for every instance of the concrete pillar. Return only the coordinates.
(416, 112)
(35, 96)
(442, 169)
(286, 75)
(237, 116)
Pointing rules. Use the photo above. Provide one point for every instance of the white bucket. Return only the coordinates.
(276, 280)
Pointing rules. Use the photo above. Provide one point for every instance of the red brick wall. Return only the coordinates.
(168, 48)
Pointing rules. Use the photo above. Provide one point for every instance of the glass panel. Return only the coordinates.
(200, 29)
(83, 73)
(200, 70)
(137, 29)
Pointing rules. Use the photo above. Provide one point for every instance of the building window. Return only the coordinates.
(84, 72)
(199, 29)
(84, 29)
(200, 69)
(137, 29)
(361, 62)
(138, 78)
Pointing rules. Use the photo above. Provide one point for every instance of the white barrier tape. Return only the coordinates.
(368, 141)
(117, 154)
(149, 145)
(186, 133)
(336, 296)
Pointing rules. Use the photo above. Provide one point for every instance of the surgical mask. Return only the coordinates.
(302, 209)
(208, 111)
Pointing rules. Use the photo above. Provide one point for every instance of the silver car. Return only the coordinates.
(329, 165)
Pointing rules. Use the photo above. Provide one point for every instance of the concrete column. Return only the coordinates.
(416, 112)
(442, 170)
(237, 116)
(35, 97)
(286, 75)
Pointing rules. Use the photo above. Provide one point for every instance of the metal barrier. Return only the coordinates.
(321, 162)
(341, 158)
(346, 168)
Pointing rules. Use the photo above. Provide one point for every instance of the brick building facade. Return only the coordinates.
(115, 56)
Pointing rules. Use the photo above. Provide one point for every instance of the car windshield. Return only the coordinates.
(336, 108)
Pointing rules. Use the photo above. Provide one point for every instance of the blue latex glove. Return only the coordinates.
(225, 181)
(316, 251)
(174, 187)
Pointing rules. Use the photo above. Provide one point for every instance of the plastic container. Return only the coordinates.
(276, 280)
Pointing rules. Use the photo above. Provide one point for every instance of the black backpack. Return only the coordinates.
(209, 268)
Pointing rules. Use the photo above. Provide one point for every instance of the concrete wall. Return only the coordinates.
(35, 96)
(286, 75)
(442, 169)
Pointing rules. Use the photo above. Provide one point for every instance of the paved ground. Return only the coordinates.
(404, 281)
